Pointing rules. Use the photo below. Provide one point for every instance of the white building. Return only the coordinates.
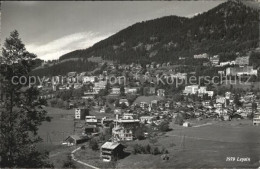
(99, 85)
(91, 120)
(256, 119)
(91, 79)
(123, 129)
(125, 101)
(201, 56)
(115, 90)
(246, 70)
(193, 89)
(147, 119)
(227, 63)
(80, 113)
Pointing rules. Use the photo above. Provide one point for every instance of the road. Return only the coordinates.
(81, 162)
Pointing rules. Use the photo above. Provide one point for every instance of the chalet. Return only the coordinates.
(201, 56)
(248, 107)
(91, 120)
(90, 129)
(179, 75)
(256, 119)
(218, 105)
(115, 91)
(221, 112)
(228, 95)
(102, 110)
(147, 119)
(75, 139)
(242, 60)
(81, 113)
(186, 124)
(214, 60)
(238, 71)
(99, 85)
(106, 121)
(220, 99)
(226, 117)
(91, 79)
(111, 151)
(145, 101)
(118, 111)
(161, 92)
(222, 64)
(193, 89)
(130, 90)
(206, 104)
(221, 72)
(123, 130)
(151, 91)
(125, 101)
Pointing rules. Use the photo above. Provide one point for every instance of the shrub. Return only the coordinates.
(179, 119)
(164, 126)
(68, 163)
(83, 147)
(93, 144)
(148, 149)
(153, 140)
(139, 149)
(156, 151)
(53, 103)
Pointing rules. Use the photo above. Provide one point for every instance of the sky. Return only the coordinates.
(51, 28)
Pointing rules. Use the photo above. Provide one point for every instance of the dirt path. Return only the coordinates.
(78, 161)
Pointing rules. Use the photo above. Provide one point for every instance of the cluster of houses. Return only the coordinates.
(239, 66)
(155, 109)
(152, 106)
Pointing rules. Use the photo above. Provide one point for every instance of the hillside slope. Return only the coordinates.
(230, 27)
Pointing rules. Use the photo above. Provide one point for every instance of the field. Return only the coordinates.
(59, 128)
(61, 125)
(203, 147)
(53, 133)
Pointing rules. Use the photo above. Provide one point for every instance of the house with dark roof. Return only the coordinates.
(111, 151)
(75, 139)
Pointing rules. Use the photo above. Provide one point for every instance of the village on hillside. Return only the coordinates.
(125, 103)
(130, 85)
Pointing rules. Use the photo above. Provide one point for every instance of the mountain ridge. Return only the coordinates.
(230, 27)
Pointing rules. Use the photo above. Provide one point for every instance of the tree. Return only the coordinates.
(123, 106)
(179, 119)
(22, 113)
(122, 90)
(139, 133)
(93, 144)
(164, 126)
(156, 151)
(69, 163)
(237, 101)
(148, 149)
(107, 88)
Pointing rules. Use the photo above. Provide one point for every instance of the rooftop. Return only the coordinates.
(110, 145)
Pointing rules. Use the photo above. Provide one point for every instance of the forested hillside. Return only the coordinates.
(226, 29)
(65, 67)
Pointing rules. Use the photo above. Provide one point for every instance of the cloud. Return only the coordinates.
(54, 49)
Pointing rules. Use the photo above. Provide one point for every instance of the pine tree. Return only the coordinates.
(122, 90)
(21, 112)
